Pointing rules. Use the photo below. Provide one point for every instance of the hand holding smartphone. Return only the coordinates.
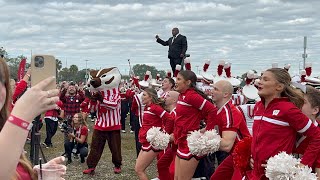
(42, 67)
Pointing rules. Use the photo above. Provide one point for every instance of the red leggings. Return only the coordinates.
(165, 164)
(226, 170)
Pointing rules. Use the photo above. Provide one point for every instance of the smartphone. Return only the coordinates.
(42, 67)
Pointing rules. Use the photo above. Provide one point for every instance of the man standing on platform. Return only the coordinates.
(177, 48)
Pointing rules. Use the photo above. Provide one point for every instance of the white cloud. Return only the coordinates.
(299, 21)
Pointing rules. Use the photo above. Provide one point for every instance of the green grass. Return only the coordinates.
(104, 170)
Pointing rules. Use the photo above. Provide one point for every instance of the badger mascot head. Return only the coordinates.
(104, 79)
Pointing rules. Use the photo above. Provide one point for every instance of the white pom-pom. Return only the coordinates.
(282, 166)
(187, 60)
(303, 72)
(158, 139)
(213, 142)
(201, 144)
(152, 133)
(148, 73)
(305, 173)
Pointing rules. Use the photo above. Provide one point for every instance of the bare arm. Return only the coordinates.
(227, 140)
(12, 137)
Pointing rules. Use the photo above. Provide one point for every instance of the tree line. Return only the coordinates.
(73, 73)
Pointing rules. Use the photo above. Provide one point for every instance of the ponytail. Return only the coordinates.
(201, 93)
(294, 96)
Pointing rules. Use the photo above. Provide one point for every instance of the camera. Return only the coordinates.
(66, 128)
(39, 61)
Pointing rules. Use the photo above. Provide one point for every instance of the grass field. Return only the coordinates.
(104, 170)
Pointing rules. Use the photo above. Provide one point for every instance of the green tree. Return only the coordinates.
(3, 52)
(58, 64)
(140, 70)
(64, 75)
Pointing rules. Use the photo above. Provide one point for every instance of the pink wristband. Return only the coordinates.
(19, 122)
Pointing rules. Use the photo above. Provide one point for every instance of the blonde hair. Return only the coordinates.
(154, 97)
(81, 119)
(283, 77)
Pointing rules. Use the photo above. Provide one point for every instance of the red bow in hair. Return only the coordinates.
(187, 64)
(178, 68)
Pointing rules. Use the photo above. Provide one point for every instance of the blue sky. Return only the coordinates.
(251, 34)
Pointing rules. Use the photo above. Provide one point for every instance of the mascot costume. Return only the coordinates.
(104, 84)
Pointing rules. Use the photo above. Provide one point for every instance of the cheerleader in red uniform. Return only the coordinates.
(154, 116)
(192, 107)
(311, 109)
(277, 119)
(165, 163)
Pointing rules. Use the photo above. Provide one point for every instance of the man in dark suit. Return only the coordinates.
(177, 48)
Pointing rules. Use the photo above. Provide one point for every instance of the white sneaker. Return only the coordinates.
(123, 131)
(155, 178)
(131, 131)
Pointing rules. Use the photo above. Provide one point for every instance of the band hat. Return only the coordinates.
(312, 80)
(155, 83)
(234, 81)
(287, 66)
(220, 67)
(178, 69)
(250, 91)
(169, 73)
(146, 79)
(199, 77)
(205, 74)
(308, 69)
(187, 64)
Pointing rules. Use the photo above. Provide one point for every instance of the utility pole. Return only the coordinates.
(304, 55)
(87, 76)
